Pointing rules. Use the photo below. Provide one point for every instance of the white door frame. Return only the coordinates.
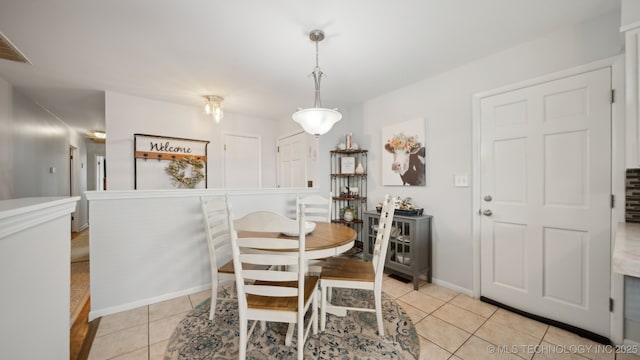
(616, 64)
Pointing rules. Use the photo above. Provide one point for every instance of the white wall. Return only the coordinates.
(6, 150)
(630, 12)
(126, 115)
(445, 102)
(32, 141)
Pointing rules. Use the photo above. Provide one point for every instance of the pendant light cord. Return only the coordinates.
(317, 76)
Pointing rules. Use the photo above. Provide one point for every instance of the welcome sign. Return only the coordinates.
(161, 160)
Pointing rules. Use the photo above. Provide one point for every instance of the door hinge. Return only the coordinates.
(610, 304)
(225, 147)
(613, 96)
(277, 148)
(613, 201)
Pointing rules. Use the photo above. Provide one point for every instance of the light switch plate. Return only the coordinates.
(461, 180)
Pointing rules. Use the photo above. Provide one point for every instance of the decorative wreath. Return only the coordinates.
(176, 170)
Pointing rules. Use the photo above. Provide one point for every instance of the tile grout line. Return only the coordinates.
(472, 334)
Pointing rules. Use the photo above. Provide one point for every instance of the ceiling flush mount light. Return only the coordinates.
(97, 136)
(317, 120)
(100, 134)
(213, 107)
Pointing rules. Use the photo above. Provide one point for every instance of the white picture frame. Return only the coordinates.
(348, 165)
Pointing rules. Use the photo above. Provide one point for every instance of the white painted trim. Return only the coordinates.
(173, 193)
(618, 165)
(84, 227)
(148, 301)
(20, 214)
(631, 26)
(453, 287)
(616, 63)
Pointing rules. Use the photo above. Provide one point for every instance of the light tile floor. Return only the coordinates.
(450, 326)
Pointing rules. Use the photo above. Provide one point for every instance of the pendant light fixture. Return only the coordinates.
(213, 107)
(317, 120)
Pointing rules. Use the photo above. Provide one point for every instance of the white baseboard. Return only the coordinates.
(453, 287)
(148, 301)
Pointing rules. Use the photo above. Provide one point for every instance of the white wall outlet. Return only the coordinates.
(461, 180)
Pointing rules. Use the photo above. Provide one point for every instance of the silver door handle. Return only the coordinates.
(487, 212)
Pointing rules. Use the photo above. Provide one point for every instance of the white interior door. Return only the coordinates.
(292, 161)
(242, 161)
(545, 178)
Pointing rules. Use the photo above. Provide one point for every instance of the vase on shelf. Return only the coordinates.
(360, 169)
(348, 216)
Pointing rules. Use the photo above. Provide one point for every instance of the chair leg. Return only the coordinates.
(242, 350)
(263, 326)
(214, 297)
(314, 314)
(300, 338)
(323, 307)
(378, 300)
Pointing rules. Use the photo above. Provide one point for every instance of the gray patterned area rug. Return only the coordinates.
(351, 337)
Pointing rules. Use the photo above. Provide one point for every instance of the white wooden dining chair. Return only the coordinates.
(215, 215)
(354, 274)
(279, 296)
(316, 207)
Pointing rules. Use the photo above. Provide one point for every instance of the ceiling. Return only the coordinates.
(256, 53)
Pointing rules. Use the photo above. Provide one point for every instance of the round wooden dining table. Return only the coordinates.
(326, 240)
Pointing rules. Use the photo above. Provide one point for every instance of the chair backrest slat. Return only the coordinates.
(316, 207)
(268, 243)
(271, 291)
(268, 259)
(270, 275)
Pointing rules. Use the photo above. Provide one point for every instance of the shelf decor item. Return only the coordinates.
(348, 213)
(348, 165)
(404, 207)
(186, 172)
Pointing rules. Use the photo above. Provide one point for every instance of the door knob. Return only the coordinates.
(487, 212)
(488, 198)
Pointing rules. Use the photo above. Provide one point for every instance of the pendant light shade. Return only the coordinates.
(317, 120)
